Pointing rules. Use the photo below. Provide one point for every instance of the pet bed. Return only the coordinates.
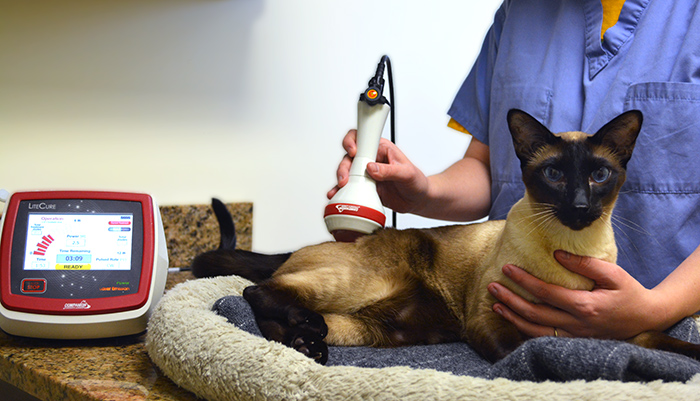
(221, 358)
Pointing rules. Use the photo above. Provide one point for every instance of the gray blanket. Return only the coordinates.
(539, 359)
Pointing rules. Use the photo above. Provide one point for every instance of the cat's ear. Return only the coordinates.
(529, 135)
(620, 134)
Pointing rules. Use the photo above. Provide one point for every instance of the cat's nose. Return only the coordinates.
(580, 199)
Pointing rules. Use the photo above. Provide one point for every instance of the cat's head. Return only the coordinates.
(574, 175)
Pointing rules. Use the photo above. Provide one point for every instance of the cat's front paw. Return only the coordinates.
(309, 321)
(311, 345)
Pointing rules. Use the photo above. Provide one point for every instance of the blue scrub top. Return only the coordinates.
(547, 58)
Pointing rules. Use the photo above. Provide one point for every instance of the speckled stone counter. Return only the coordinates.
(118, 368)
(191, 230)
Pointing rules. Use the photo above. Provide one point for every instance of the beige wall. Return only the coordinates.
(246, 100)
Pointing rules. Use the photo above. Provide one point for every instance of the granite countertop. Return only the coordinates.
(117, 368)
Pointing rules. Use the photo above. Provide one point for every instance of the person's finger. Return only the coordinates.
(342, 175)
(343, 172)
(350, 143)
(533, 313)
(387, 150)
(389, 172)
(604, 274)
(393, 165)
(528, 328)
(332, 192)
(551, 294)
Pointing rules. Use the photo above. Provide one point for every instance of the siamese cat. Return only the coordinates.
(426, 286)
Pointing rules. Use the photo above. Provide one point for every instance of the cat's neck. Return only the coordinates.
(529, 222)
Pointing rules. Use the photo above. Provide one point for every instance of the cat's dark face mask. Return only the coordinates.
(574, 184)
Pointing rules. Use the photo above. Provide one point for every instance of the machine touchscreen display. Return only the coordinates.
(78, 242)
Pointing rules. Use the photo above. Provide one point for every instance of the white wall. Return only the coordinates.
(246, 100)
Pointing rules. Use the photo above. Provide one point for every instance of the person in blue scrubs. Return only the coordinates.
(553, 60)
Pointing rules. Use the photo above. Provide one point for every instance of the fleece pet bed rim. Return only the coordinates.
(205, 354)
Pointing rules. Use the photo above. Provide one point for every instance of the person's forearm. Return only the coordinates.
(463, 191)
(679, 293)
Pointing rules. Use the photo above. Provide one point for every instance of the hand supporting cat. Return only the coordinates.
(612, 310)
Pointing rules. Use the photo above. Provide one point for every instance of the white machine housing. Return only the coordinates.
(92, 325)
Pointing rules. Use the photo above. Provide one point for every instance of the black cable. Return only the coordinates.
(373, 95)
(392, 120)
(392, 124)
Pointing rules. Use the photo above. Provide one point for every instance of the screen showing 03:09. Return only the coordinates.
(79, 241)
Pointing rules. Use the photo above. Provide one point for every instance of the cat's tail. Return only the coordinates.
(227, 260)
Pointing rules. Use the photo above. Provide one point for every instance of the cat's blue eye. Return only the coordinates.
(552, 174)
(601, 175)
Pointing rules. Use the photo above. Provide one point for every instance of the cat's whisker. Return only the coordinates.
(532, 218)
(621, 225)
(544, 219)
(622, 232)
(627, 223)
(541, 206)
(631, 225)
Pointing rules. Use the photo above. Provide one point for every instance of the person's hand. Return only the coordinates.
(618, 307)
(400, 184)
